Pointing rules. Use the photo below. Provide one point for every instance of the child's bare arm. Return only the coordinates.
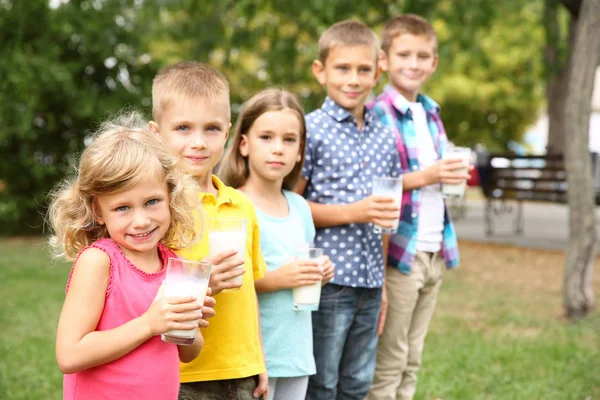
(376, 209)
(443, 171)
(262, 389)
(78, 345)
(292, 274)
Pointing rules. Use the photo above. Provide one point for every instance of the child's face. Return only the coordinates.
(137, 218)
(195, 130)
(409, 62)
(349, 74)
(272, 145)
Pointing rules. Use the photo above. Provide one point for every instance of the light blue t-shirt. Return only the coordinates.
(287, 334)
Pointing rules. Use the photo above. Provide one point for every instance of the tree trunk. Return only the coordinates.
(555, 92)
(558, 74)
(581, 252)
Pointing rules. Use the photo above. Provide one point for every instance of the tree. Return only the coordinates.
(65, 67)
(557, 63)
(581, 252)
(489, 82)
(82, 60)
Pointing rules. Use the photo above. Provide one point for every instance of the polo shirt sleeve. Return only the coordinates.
(258, 261)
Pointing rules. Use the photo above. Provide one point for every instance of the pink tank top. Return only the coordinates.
(149, 372)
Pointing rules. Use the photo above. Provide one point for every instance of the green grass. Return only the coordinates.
(32, 288)
(497, 332)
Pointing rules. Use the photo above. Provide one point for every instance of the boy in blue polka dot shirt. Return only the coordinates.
(346, 148)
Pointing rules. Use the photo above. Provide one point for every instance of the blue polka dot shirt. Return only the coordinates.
(340, 164)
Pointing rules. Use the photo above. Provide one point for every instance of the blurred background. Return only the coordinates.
(500, 330)
(67, 64)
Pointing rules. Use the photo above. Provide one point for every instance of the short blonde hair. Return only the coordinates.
(407, 23)
(234, 169)
(347, 33)
(187, 79)
(123, 152)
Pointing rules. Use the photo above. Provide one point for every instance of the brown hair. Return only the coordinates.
(407, 23)
(122, 153)
(234, 168)
(347, 33)
(187, 79)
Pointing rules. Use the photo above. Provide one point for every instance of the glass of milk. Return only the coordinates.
(308, 297)
(388, 187)
(227, 234)
(185, 278)
(463, 153)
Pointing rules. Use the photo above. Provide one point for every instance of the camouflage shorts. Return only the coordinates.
(227, 389)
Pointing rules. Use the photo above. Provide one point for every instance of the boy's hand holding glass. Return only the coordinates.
(296, 272)
(379, 210)
(448, 170)
(225, 266)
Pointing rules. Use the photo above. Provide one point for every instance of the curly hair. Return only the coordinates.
(122, 153)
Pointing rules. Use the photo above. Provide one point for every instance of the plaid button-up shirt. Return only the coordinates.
(394, 111)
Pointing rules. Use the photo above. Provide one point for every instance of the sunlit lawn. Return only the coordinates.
(498, 332)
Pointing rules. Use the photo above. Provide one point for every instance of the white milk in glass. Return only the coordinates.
(457, 189)
(185, 278)
(389, 187)
(186, 286)
(308, 297)
(219, 241)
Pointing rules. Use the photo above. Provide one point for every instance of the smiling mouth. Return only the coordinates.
(196, 159)
(143, 235)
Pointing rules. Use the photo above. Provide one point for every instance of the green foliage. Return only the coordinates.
(66, 68)
(490, 78)
(70, 66)
(489, 82)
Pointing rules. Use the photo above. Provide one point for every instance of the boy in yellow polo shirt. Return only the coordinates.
(190, 106)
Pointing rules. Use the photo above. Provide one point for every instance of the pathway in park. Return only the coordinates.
(546, 225)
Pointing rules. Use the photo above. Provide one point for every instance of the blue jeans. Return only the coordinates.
(344, 343)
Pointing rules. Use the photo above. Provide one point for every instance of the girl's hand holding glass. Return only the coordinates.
(172, 313)
(295, 273)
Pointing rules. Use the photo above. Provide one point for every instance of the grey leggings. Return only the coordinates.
(288, 388)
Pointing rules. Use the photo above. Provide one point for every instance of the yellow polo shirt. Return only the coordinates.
(231, 343)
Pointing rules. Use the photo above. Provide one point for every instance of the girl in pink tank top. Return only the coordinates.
(120, 218)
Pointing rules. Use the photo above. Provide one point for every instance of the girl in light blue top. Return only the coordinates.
(265, 162)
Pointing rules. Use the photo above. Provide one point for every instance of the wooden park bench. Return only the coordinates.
(507, 180)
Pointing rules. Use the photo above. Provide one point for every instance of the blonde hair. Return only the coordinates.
(407, 23)
(347, 33)
(234, 169)
(187, 79)
(123, 152)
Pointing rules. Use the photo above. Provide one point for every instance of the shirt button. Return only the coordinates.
(414, 215)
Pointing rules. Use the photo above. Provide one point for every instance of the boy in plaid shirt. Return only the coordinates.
(425, 241)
